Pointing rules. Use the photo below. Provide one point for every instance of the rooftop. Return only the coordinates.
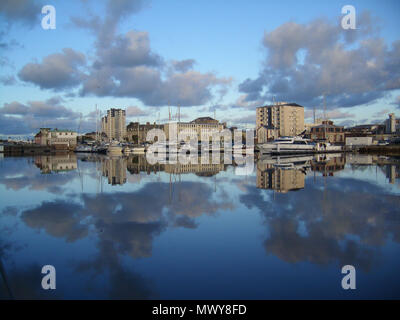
(283, 104)
(203, 119)
(327, 126)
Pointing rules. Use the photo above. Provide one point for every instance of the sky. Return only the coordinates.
(208, 57)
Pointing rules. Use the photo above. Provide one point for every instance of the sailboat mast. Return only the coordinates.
(324, 117)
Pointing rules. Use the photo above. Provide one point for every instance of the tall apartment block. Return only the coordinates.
(114, 124)
(280, 119)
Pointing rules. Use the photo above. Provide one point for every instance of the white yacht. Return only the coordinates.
(287, 145)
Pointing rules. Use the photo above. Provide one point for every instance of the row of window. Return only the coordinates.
(327, 129)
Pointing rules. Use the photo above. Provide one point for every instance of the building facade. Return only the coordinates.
(280, 119)
(137, 133)
(358, 141)
(329, 132)
(392, 124)
(198, 127)
(114, 124)
(365, 130)
(63, 139)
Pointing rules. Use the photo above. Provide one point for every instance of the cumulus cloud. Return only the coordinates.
(14, 108)
(183, 65)
(20, 11)
(40, 109)
(126, 66)
(129, 50)
(57, 71)
(134, 111)
(105, 29)
(123, 65)
(147, 84)
(304, 61)
(19, 118)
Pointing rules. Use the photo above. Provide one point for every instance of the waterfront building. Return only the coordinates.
(365, 129)
(199, 126)
(329, 132)
(358, 141)
(137, 133)
(114, 124)
(60, 139)
(308, 126)
(280, 119)
(392, 124)
(265, 134)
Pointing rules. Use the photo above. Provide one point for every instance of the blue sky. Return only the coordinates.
(238, 48)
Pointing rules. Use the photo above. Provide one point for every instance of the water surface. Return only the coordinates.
(121, 228)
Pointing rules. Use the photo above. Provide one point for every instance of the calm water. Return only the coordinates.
(120, 228)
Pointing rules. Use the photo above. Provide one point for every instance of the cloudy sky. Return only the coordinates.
(201, 55)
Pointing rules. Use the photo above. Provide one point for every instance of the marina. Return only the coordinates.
(203, 155)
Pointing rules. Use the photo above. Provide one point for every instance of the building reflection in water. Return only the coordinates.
(282, 174)
(114, 169)
(56, 163)
(318, 226)
(389, 166)
(206, 170)
(328, 164)
(392, 172)
(278, 173)
(138, 163)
